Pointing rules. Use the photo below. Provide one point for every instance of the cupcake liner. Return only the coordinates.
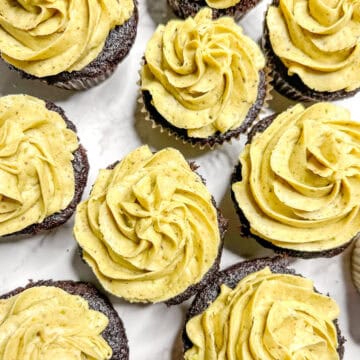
(215, 141)
(292, 86)
(355, 265)
(245, 226)
(84, 83)
(186, 8)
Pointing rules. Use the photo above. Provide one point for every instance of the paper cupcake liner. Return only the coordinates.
(355, 264)
(283, 83)
(82, 84)
(186, 8)
(212, 142)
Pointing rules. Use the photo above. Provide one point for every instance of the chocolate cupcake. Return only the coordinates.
(43, 168)
(296, 187)
(312, 48)
(261, 309)
(234, 8)
(150, 229)
(69, 44)
(203, 80)
(60, 320)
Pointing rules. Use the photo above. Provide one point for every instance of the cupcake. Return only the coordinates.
(60, 320)
(356, 265)
(312, 48)
(150, 230)
(203, 80)
(43, 168)
(69, 44)
(297, 186)
(261, 309)
(234, 8)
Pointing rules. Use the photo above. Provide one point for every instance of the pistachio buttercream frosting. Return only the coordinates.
(149, 229)
(222, 4)
(36, 171)
(45, 323)
(203, 75)
(47, 37)
(266, 316)
(319, 41)
(300, 186)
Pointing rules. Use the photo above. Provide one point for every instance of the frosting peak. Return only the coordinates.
(319, 41)
(44, 38)
(300, 187)
(266, 316)
(43, 323)
(36, 171)
(149, 229)
(202, 74)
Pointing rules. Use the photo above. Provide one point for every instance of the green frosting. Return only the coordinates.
(36, 171)
(149, 229)
(267, 316)
(47, 37)
(43, 323)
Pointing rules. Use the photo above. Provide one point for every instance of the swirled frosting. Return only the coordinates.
(202, 74)
(43, 323)
(319, 41)
(222, 4)
(47, 37)
(267, 316)
(301, 179)
(36, 173)
(149, 229)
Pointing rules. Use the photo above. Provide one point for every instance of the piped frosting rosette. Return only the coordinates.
(36, 171)
(202, 74)
(47, 37)
(319, 41)
(45, 323)
(300, 185)
(149, 229)
(266, 316)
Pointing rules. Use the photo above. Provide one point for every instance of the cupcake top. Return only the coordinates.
(266, 316)
(46, 322)
(36, 172)
(300, 185)
(45, 38)
(149, 229)
(222, 4)
(202, 74)
(319, 41)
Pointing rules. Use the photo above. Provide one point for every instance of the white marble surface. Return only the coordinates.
(110, 125)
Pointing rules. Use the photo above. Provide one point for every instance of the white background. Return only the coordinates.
(110, 125)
